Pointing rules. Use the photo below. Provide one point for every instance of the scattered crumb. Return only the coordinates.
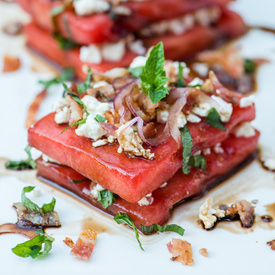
(85, 244)
(203, 252)
(181, 251)
(13, 28)
(271, 244)
(69, 242)
(11, 64)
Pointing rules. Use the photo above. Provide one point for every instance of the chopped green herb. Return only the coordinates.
(99, 118)
(65, 75)
(136, 72)
(57, 10)
(22, 164)
(249, 66)
(153, 75)
(64, 43)
(180, 81)
(156, 227)
(33, 247)
(84, 86)
(214, 119)
(187, 145)
(101, 94)
(196, 85)
(46, 208)
(106, 198)
(78, 181)
(197, 162)
(124, 218)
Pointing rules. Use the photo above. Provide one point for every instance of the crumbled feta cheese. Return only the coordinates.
(95, 188)
(130, 142)
(137, 47)
(138, 62)
(198, 153)
(208, 215)
(48, 159)
(91, 128)
(206, 151)
(245, 130)
(193, 118)
(90, 54)
(181, 120)
(100, 84)
(99, 142)
(87, 7)
(218, 149)
(269, 163)
(176, 26)
(147, 200)
(163, 185)
(162, 116)
(188, 21)
(121, 10)
(224, 109)
(63, 115)
(247, 101)
(202, 110)
(196, 81)
(114, 51)
(201, 68)
(202, 16)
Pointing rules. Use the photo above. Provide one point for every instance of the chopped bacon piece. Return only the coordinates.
(181, 251)
(34, 107)
(203, 252)
(69, 242)
(11, 64)
(272, 244)
(85, 244)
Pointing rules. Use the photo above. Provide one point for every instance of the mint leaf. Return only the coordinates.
(180, 81)
(156, 227)
(136, 72)
(22, 164)
(84, 86)
(124, 218)
(249, 66)
(214, 119)
(197, 162)
(46, 208)
(78, 181)
(106, 198)
(64, 43)
(153, 75)
(57, 10)
(65, 75)
(33, 247)
(99, 118)
(187, 145)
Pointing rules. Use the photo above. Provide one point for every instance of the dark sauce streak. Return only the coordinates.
(266, 29)
(266, 218)
(14, 228)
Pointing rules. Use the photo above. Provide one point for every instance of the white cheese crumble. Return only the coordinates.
(224, 109)
(91, 128)
(114, 51)
(48, 159)
(90, 54)
(218, 148)
(193, 118)
(163, 185)
(201, 68)
(181, 120)
(88, 7)
(162, 116)
(138, 62)
(206, 151)
(100, 84)
(247, 101)
(269, 163)
(244, 130)
(208, 215)
(196, 81)
(147, 200)
(202, 110)
(137, 47)
(100, 142)
(95, 189)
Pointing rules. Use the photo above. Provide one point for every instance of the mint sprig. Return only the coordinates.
(158, 228)
(197, 162)
(46, 207)
(33, 247)
(153, 75)
(86, 84)
(214, 119)
(187, 145)
(180, 81)
(106, 198)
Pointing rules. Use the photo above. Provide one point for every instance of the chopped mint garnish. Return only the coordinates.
(214, 119)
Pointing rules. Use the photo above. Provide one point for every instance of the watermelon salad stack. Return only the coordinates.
(106, 34)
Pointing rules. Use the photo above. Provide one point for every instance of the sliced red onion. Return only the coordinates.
(221, 91)
(109, 128)
(119, 82)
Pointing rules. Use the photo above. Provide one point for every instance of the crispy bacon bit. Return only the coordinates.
(11, 64)
(85, 244)
(181, 251)
(203, 252)
(244, 209)
(271, 244)
(69, 242)
(13, 28)
(34, 107)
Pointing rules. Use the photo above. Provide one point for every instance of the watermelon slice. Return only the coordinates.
(180, 187)
(130, 178)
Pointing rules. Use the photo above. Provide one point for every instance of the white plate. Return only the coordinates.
(232, 250)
